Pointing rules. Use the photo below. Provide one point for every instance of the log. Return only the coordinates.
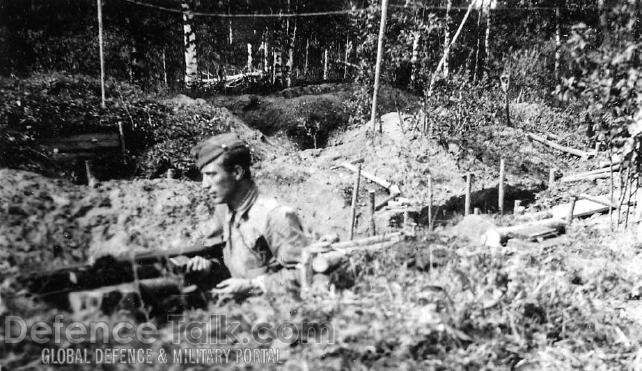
(559, 147)
(533, 230)
(582, 208)
(83, 142)
(393, 189)
(603, 175)
(327, 261)
(597, 200)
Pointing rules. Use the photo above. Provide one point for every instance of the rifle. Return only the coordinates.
(53, 285)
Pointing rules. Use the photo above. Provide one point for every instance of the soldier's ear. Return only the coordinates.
(239, 172)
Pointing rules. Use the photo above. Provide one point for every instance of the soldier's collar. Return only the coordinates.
(248, 200)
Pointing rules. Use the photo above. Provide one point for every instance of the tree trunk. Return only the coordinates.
(558, 43)
(345, 58)
(307, 52)
(164, 68)
(375, 92)
(415, 57)
(447, 37)
(266, 52)
(100, 51)
(290, 64)
(249, 57)
(231, 33)
(487, 39)
(478, 35)
(325, 64)
(604, 22)
(191, 62)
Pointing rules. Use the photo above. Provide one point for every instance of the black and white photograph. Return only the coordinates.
(320, 185)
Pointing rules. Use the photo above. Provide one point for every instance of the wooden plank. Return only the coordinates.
(83, 142)
(582, 208)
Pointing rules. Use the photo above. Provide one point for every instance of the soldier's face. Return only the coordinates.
(221, 184)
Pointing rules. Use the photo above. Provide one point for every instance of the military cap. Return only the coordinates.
(211, 148)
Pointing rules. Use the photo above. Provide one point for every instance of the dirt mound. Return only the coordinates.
(47, 222)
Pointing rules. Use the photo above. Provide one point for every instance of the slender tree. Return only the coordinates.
(191, 62)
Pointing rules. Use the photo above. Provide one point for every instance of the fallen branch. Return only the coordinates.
(559, 147)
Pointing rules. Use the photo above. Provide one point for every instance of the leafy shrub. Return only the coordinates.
(157, 135)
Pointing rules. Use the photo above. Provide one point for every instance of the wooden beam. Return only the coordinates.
(559, 147)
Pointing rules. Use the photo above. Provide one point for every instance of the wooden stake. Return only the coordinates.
(500, 201)
(505, 80)
(430, 221)
(476, 211)
(121, 136)
(371, 208)
(99, 5)
(551, 178)
(91, 180)
(375, 93)
(569, 219)
(171, 173)
(469, 186)
(355, 194)
(518, 204)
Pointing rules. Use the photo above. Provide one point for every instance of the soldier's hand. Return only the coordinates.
(237, 286)
(198, 264)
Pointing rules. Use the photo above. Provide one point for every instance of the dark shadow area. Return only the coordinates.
(486, 200)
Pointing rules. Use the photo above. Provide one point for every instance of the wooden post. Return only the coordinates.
(355, 194)
(430, 222)
(518, 204)
(569, 219)
(91, 180)
(505, 81)
(500, 188)
(476, 211)
(551, 178)
(99, 5)
(382, 30)
(121, 136)
(371, 208)
(469, 186)
(171, 173)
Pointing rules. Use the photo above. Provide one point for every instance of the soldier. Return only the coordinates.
(263, 239)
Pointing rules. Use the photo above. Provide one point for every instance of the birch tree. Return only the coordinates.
(191, 62)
